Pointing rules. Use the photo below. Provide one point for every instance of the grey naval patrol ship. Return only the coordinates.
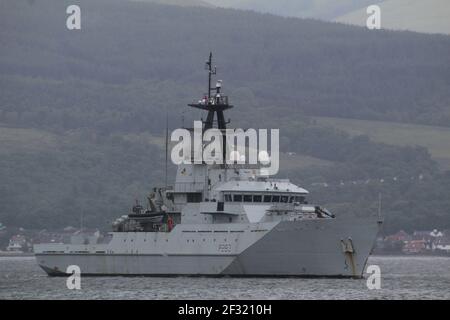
(222, 220)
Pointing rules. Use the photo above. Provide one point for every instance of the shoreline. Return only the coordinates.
(16, 254)
(400, 255)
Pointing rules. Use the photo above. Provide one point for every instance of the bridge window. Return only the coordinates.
(257, 198)
(260, 198)
(237, 198)
(194, 197)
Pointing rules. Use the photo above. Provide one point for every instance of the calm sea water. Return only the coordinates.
(402, 278)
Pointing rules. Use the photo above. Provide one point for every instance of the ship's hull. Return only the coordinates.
(319, 247)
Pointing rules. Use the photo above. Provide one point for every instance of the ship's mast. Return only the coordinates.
(210, 73)
(216, 104)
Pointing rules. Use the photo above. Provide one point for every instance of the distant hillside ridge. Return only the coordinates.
(430, 16)
(318, 9)
(183, 3)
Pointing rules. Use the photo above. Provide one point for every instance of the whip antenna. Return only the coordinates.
(167, 146)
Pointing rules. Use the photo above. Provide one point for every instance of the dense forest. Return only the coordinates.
(82, 112)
